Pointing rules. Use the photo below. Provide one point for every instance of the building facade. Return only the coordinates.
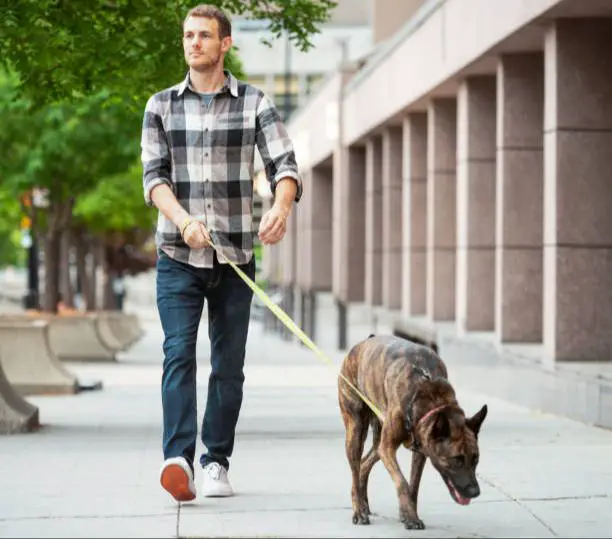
(457, 192)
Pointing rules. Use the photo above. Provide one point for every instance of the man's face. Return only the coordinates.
(201, 43)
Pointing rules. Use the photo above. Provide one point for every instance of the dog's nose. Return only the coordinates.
(473, 490)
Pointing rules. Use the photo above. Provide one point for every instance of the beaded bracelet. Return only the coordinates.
(186, 222)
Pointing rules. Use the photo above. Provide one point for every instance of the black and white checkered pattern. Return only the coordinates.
(205, 154)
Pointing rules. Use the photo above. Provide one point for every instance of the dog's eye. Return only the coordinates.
(474, 460)
(458, 461)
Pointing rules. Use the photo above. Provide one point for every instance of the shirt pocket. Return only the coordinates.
(236, 120)
(235, 129)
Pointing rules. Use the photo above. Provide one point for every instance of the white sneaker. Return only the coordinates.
(177, 478)
(215, 482)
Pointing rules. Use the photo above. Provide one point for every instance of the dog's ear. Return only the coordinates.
(441, 428)
(475, 422)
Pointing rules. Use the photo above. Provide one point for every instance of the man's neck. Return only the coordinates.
(207, 82)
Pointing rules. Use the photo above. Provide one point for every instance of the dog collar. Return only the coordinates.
(416, 445)
(430, 413)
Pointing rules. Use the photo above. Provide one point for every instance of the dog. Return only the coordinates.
(408, 383)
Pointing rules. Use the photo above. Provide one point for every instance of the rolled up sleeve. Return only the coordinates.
(275, 146)
(155, 154)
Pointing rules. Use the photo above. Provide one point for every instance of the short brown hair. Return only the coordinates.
(212, 12)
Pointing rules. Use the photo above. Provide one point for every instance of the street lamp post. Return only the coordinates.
(37, 198)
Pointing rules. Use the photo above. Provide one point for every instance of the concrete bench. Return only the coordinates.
(16, 413)
(28, 362)
(118, 331)
(76, 338)
(413, 331)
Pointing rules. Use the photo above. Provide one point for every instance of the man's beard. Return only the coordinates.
(209, 65)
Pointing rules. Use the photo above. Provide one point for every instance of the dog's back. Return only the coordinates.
(380, 362)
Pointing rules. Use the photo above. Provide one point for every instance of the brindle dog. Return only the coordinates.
(409, 384)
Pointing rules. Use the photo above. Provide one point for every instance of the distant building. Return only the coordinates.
(288, 75)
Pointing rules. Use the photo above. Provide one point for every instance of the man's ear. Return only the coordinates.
(226, 44)
(475, 422)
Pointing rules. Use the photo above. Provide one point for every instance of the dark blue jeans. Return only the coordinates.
(181, 292)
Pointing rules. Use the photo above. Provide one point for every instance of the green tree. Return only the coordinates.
(66, 50)
(113, 217)
(11, 251)
(65, 148)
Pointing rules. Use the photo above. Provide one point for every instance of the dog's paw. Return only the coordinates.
(360, 517)
(365, 509)
(414, 524)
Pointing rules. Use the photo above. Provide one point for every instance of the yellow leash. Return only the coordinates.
(292, 326)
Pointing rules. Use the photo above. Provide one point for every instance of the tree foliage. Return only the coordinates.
(116, 204)
(66, 50)
(65, 147)
(11, 251)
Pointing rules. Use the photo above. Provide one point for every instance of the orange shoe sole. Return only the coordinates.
(176, 482)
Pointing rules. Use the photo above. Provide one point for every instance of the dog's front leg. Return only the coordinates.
(389, 444)
(416, 472)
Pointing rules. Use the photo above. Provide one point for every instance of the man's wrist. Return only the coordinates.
(284, 206)
(179, 217)
(184, 224)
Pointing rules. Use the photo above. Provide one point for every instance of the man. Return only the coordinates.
(198, 144)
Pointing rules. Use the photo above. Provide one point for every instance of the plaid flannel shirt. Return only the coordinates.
(206, 156)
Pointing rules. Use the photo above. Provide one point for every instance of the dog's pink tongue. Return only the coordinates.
(461, 499)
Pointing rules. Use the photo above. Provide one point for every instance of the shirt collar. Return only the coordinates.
(231, 84)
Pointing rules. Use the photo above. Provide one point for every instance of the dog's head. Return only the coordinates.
(451, 443)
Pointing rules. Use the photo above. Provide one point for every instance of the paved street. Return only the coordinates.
(92, 470)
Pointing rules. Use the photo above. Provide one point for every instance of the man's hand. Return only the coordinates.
(196, 235)
(273, 224)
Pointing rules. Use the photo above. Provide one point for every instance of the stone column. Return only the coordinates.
(318, 235)
(475, 293)
(392, 218)
(288, 270)
(349, 224)
(441, 208)
(519, 207)
(414, 239)
(373, 243)
(303, 216)
(578, 191)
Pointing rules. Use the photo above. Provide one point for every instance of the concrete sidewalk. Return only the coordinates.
(92, 470)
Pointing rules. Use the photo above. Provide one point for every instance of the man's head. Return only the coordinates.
(207, 37)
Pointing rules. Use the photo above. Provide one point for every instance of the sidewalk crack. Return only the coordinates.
(178, 520)
(519, 503)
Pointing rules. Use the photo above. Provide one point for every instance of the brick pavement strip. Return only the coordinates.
(92, 469)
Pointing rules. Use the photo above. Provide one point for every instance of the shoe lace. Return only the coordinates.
(215, 470)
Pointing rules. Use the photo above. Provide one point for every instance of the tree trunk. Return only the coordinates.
(66, 285)
(52, 265)
(59, 217)
(108, 297)
(93, 256)
(83, 279)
